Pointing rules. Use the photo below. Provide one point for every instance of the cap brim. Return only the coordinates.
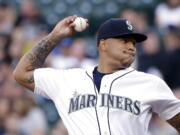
(137, 36)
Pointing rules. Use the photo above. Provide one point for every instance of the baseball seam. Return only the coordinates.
(81, 24)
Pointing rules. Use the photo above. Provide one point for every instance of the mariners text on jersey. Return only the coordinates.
(121, 107)
(88, 100)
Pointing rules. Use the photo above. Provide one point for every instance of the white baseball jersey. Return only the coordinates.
(123, 106)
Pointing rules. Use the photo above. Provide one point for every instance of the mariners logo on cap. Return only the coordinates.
(129, 26)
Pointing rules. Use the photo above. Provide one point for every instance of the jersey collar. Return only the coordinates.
(90, 70)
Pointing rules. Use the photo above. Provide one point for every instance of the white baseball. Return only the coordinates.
(80, 24)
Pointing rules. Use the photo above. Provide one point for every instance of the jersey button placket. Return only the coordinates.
(104, 123)
(102, 111)
(104, 85)
(105, 133)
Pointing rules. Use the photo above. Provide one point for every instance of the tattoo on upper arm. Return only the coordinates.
(175, 122)
(31, 79)
(38, 54)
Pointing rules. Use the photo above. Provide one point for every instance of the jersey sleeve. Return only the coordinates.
(166, 105)
(48, 82)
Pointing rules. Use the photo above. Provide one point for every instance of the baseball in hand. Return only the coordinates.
(80, 24)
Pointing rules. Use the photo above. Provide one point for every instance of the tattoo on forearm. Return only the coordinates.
(38, 54)
(175, 122)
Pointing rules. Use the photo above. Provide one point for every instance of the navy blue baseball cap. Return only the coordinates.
(118, 28)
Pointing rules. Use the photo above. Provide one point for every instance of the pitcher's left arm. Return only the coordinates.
(175, 122)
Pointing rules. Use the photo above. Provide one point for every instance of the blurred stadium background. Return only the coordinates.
(24, 22)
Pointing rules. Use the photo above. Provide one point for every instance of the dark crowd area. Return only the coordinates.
(25, 22)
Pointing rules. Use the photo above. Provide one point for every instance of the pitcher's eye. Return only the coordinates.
(134, 42)
(126, 40)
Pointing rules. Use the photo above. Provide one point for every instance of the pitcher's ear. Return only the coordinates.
(102, 45)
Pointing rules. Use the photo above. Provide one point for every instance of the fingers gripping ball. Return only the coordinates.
(80, 24)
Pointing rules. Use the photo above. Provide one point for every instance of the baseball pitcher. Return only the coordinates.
(109, 99)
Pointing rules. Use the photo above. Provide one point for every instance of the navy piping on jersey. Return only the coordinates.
(110, 93)
(96, 103)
